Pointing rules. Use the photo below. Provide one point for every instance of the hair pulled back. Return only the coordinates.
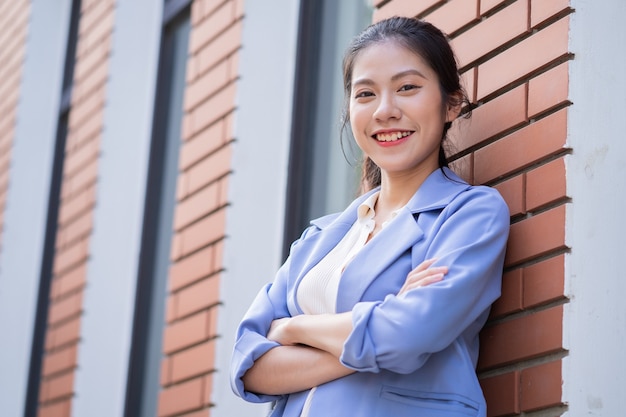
(423, 39)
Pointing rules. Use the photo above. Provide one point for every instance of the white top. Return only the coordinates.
(317, 292)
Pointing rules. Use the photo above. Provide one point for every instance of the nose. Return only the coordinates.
(387, 108)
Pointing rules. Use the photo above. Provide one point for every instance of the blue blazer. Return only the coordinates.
(415, 354)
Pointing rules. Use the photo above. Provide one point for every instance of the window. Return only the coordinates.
(146, 352)
(321, 181)
(46, 271)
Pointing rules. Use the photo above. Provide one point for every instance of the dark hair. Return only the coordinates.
(432, 46)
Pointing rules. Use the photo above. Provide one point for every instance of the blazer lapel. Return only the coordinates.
(312, 249)
(387, 246)
(400, 235)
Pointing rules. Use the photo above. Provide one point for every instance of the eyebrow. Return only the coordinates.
(412, 71)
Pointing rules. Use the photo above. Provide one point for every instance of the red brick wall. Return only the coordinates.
(199, 222)
(514, 58)
(13, 30)
(78, 195)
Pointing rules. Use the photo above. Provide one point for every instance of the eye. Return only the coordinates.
(363, 94)
(408, 87)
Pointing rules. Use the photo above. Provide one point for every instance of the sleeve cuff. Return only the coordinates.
(359, 352)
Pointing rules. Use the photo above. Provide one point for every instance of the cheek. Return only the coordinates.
(358, 119)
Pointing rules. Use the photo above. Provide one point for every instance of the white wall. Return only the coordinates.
(594, 373)
(257, 188)
(109, 299)
(27, 199)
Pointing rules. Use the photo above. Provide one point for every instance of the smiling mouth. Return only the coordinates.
(391, 137)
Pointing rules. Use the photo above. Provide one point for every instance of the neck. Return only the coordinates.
(397, 190)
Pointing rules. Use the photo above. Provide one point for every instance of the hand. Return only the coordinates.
(423, 275)
(279, 331)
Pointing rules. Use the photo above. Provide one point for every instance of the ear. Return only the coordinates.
(453, 108)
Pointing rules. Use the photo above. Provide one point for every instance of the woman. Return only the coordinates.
(377, 310)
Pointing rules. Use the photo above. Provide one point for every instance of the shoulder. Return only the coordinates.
(483, 203)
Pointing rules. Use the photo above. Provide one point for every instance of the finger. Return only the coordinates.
(421, 283)
(424, 265)
(414, 275)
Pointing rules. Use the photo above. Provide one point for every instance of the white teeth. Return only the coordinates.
(390, 137)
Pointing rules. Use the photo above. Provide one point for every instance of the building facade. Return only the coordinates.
(158, 157)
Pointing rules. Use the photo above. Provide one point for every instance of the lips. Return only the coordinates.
(391, 136)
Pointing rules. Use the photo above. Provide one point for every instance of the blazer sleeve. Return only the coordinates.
(251, 342)
(399, 333)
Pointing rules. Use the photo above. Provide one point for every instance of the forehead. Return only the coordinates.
(388, 58)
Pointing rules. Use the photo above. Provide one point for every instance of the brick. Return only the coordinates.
(233, 65)
(60, 360)
(71, 256)
(239, 10)
(542, 10)
(488, 5)
(463, 167)
(88, 62)
(81, 156)
(512, 190)
(521, 148)
(409, 8)
(548, 90)
(453, 15)
(218, 255)
(468, 81)
(501, 114)
(69, 281)
(88, 132)
(541, 386)
(80, 181)
(216, 107)
(197, 206)
(202, 413)
(77, 205)
(166, 371)
(546, 184)
(204, 232)
(182, 186)
(199, 296)
(59, 386)
(207, 7)
(56, 409)
(82, 110)
(536, 236)
(99, 31)
(90, 17)
(68, 332)
(180, 398)
(192, 268)
(186, 332)
(211, 27)
(210, 169)
(527, 337)
(219, 49)
(197, 14)
(492, 33)
(176, 247)
(501, 393)
(206, 85)
(511, 300)
(201, 145)
(544, 281)
(170, 309)
(526, 57)
(65, 308)
(79, 228)
(208, 388)
(193, 362)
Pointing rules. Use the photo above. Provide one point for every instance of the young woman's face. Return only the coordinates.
(397, 112)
